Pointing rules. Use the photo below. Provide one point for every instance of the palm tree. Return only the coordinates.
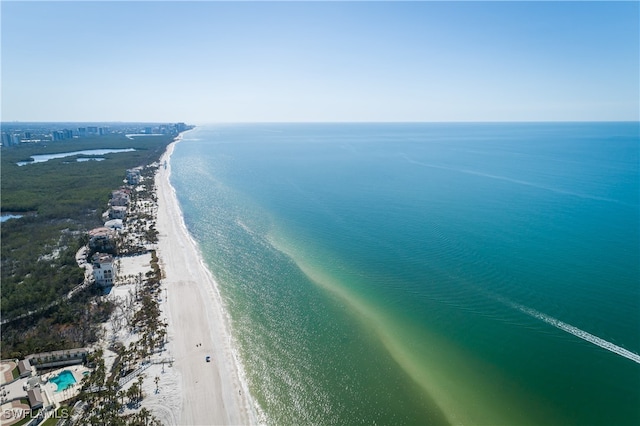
(132, 393)
(140, 379)
(145, 417)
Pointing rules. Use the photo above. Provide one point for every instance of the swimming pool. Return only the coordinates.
(63, 380)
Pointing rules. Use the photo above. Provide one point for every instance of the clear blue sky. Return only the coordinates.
(299, 61)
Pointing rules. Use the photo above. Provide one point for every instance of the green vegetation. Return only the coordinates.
(51, 421)
(38, 264)
(62, 412)
(105, 399)
(38, 250)
(71, 324)
(24, 421)
(63, 188)
(101, 391)
(147, 319)
(15, 373)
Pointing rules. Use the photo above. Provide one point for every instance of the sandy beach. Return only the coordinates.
(211, 392)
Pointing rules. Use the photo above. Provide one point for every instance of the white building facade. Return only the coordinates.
(105, 270)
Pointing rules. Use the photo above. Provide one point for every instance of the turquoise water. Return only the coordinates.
(425, 273)
(63, 380)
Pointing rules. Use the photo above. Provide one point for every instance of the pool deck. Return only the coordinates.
(50, 388)
(11, 393)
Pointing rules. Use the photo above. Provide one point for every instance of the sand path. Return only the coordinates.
(212, 392)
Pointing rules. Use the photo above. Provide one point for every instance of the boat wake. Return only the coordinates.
(517, 181)
(573, 330)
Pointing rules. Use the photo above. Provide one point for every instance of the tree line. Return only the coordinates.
(65, 199)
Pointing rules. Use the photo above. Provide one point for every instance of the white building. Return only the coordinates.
(104, 269)
(133, 176)
(117, 212)
(115, 224)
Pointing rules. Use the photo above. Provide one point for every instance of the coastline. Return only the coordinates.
(211, 392)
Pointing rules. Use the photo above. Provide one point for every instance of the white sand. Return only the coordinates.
(130, 267)
(211, 392)
(164, 404)
(167, 402)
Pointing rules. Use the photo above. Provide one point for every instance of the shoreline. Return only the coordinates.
(212, 392)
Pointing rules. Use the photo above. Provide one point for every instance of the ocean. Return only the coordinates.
(435, 273)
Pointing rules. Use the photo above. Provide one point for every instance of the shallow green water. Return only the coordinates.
(425, 273)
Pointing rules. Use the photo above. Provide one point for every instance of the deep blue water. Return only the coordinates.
(425, 273)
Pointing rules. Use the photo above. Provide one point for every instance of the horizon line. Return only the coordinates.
(322, 122)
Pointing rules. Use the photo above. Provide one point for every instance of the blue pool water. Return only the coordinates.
(63, 380)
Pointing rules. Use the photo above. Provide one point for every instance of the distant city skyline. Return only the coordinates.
(203, 62)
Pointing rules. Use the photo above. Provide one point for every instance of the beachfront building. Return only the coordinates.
(117, 212)
(24, 368)
(133, 176)
(46, 360)
(119, 197)
(104, 269)
(102, 240)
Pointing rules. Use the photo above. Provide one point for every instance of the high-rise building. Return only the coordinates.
(6, 139)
